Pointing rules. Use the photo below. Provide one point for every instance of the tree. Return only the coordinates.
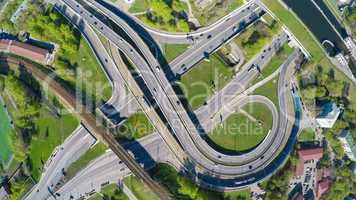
(309, 93)
(334, 88)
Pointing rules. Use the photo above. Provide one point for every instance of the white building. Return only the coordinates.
(348, 144)
(328, 116)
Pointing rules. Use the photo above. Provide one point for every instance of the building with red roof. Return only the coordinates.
(323, 186)
(34, 53)
(306, 155)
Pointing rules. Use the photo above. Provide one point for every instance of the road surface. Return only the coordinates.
(109, 169)
(200, 153)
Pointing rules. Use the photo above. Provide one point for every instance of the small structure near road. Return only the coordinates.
(348, 144)
(329, 115)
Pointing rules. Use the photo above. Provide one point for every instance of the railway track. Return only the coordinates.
(102, 133)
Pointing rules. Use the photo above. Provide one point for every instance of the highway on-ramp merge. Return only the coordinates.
(204, 157)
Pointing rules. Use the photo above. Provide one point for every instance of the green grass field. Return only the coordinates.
(135, 127)
(93, 153)
(110, 192)
(269, 90)
(214, 12)
(204, 79)
(171, 51)
(139, 6)
(5, 131)
(306, 135)
(275, 62)
(163, 15)
(266, 35)
(139, 189)
(240, 194)
(52, 131)
(240, 133)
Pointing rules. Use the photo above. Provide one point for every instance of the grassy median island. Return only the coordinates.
(164, 15)
(172, 51)
(204, 79)
(275, 62)
(110, 192)
(139, 189)
(253, 39)
(93, 153)
(135, 127)
(244, 130)
(269, 90)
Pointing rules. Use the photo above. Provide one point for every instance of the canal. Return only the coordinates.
(5, 130)
(317, 23)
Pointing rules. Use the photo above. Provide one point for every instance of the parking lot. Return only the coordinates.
(308, 179)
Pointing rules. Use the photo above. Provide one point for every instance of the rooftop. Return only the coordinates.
(305, 155)
(323, 186)
(310, 154)
(26, 50)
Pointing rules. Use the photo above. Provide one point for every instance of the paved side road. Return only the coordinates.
(73, 147)
(109, 169)
(184, 62)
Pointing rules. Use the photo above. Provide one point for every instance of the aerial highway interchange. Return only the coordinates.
(142, 79)
(227, 172)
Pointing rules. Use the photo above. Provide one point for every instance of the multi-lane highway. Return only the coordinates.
(168, 101)
(109, 169)
(192, 37)
(202, 154)
(225, 171)
(206, 40)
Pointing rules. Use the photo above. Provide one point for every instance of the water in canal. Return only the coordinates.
(5, 130)
(317, 23)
